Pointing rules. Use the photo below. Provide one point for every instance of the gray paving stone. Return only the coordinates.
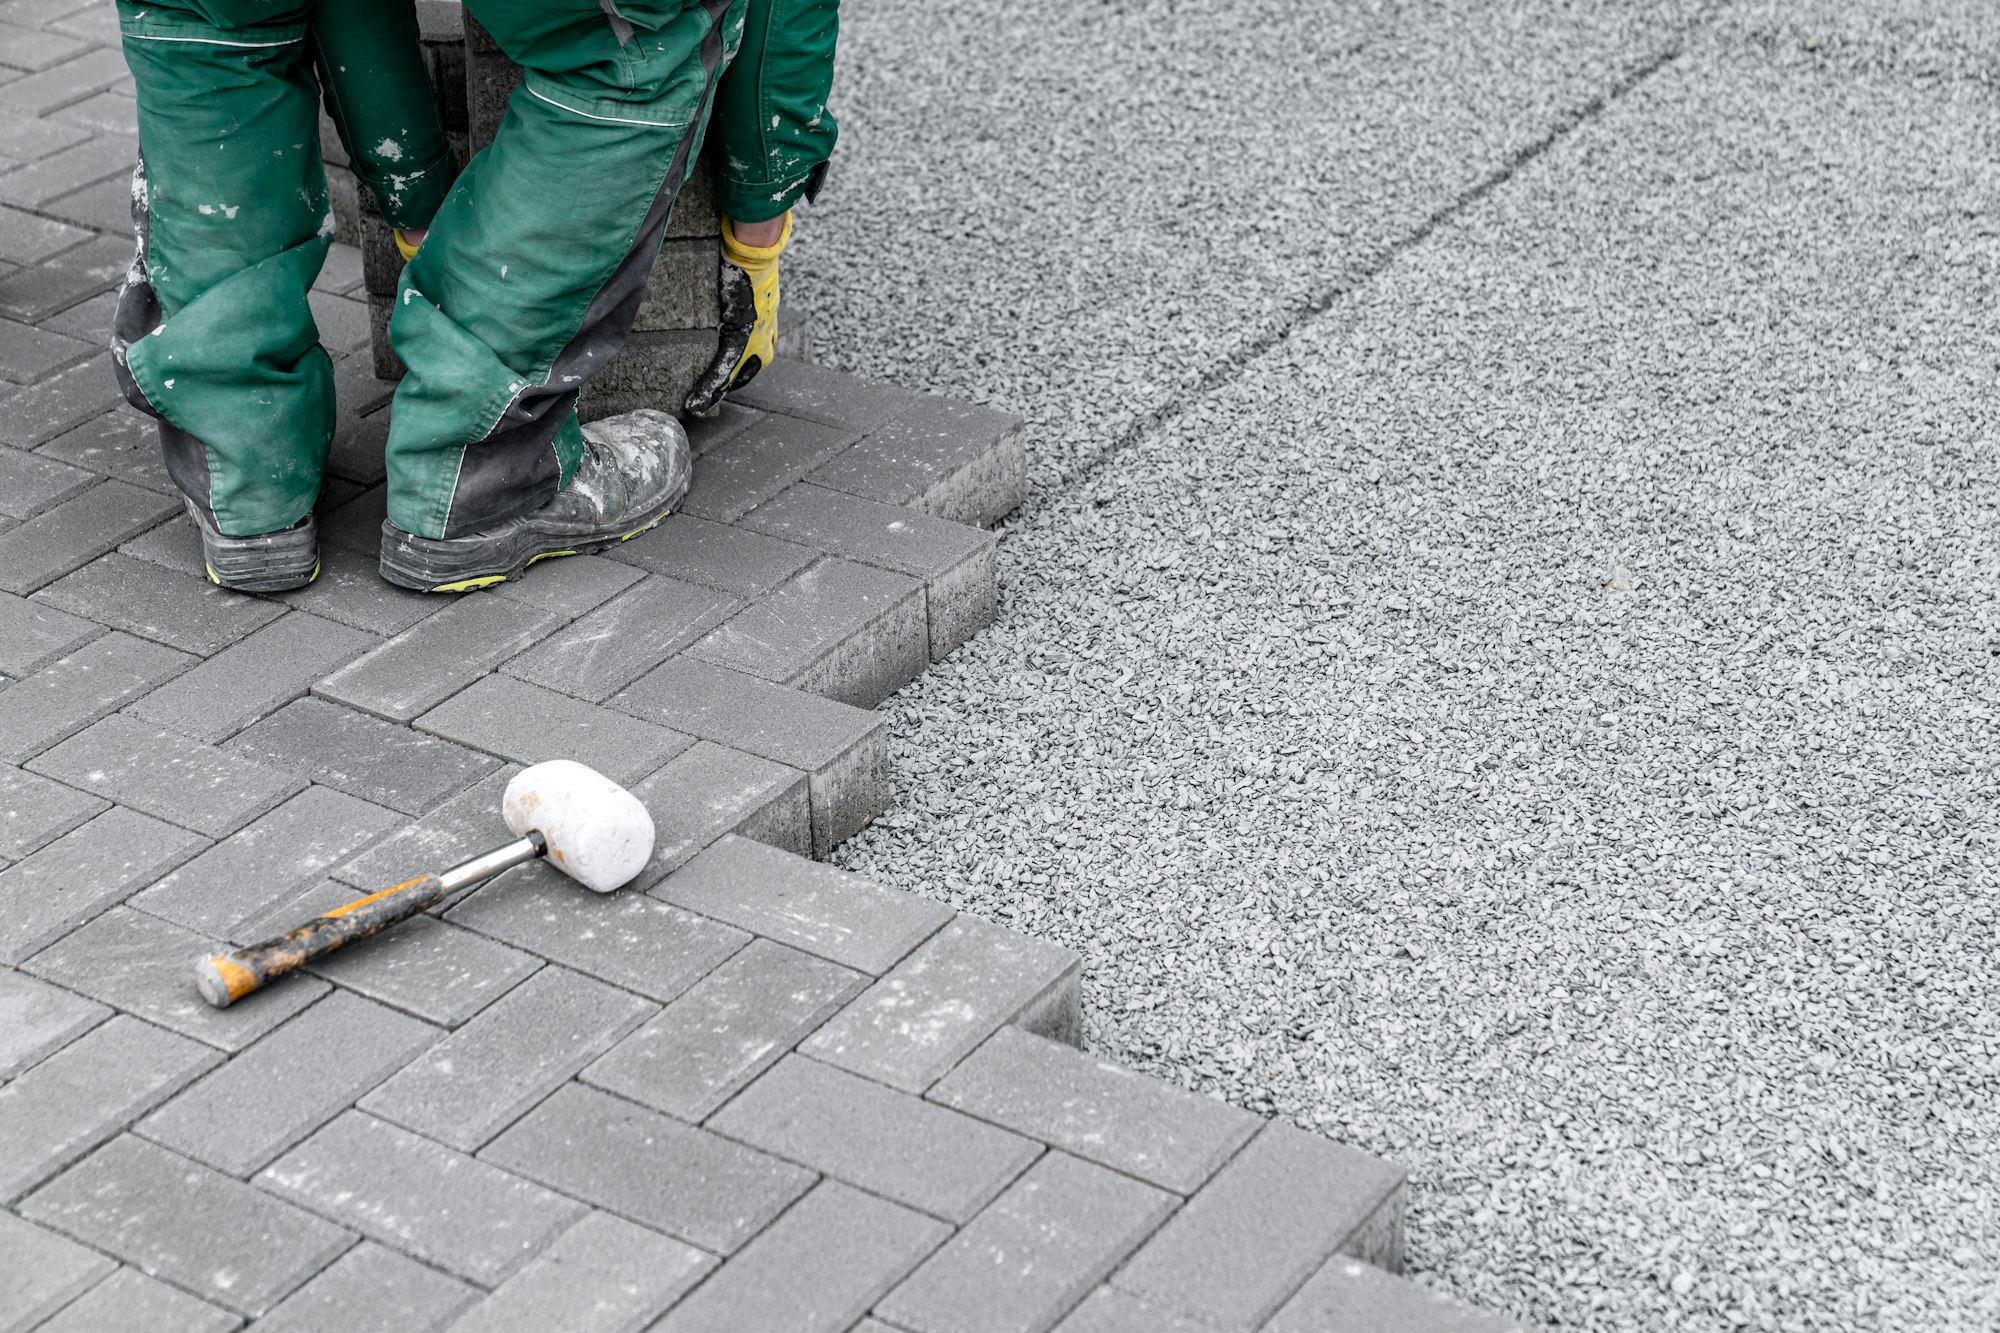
(935, 1006)
(27, 353)
(364, 756)
(837, 629)
(35, 811)
(843, 917)
(841, 749)
(887, 1142)
(464, 826)
(357, 452)
(834, 397)
(604, 1275)
(141, 964)
(730, 420)
(437, 657)
(130, 1302)
(71, 81)
(466, 1216)
(76, 690)
(728, 1028)
(40, 1272)
(60, 281)
(26, 238)
(715, 555)
(107, 205)
(732, 479)
(655, 1171)
(438, 972)
(526, 723)
(571, 586)
(1348, 1296)
(623, 639)
(709, 791)
(179, 1221)
(163, 773)
(343, 323)
(154, 603)
(30, 483)
(480, 1079)
(76, 531)
(87, 1092)
(253, 678)
(291, 1082)
(118, 443)
(33, 49)
(82, 873)
(108, 113)
(350, 590)
(1246, 1243)
(625, 938)
(817, 1269)
(91, 321)
(371, 1290)
(37, 1018)
(1112, 1311)
(1097, 1110)
(954, 562)
(33, 635)
(1028, 1259)
(270, 861)
(948, 459)
(356, 525)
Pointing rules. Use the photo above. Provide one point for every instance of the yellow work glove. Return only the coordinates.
(749, 317)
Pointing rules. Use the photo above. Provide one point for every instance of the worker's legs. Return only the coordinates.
(378, 94)
(213, 334)
(533, 269)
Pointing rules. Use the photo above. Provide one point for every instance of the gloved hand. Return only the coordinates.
(749, 317)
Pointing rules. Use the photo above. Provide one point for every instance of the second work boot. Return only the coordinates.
(267, 562)
(635, 469)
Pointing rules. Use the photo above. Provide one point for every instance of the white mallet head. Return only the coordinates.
(597, 832)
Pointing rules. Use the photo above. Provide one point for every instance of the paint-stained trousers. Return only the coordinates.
(536, 259)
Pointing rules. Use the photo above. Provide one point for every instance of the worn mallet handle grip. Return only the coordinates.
(228, 977)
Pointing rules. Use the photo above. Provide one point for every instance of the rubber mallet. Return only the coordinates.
(588, 827)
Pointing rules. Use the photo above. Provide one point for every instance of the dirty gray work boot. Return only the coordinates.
(635, 469)
(267, 562)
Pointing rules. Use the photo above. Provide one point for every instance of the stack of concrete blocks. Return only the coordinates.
(674, 337)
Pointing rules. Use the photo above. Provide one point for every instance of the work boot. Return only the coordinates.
(267, 562)
(635, 469)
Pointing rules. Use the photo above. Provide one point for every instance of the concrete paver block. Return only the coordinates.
(624, 639)
(1247, 1242)
(37, 1019)
(196, 1228)
(837, 629)
(728, 1028)
(841, 749)
(887, 1142)
(122, 444)
(69, 694)
(82, 873)
(40, 1272)
(212, 791)
(371, 1288)
(466, 1216)
(935, 1006)
(527, 724)
(145, 966)
(143, 598)
(708, 791)
(35, 811)
(1348, 1296)
(482, 1077)
(253, 677)
(948, 459)
(438, 656)
(1100, 1111)
(270, 861)
(625, 938)
(730, 420)
(843, 917)
(438, 972)
(1112, 1311)
(30, 483)
(272, 1095)
(603, 1275)
(572, 586)
(715, 555)
(464, 826)
(78, 530)
(832, 397)
(1026, 1260)
(817, 1269)
(351, 591)
(953, 561)
(672, 1177)
(364, 756)
(33, 635)
(130, 1302)
(733, 478)
(87, 1092)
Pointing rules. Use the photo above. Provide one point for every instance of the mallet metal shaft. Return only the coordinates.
(227, 978)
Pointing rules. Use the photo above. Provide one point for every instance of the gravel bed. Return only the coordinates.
(1537, 722)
